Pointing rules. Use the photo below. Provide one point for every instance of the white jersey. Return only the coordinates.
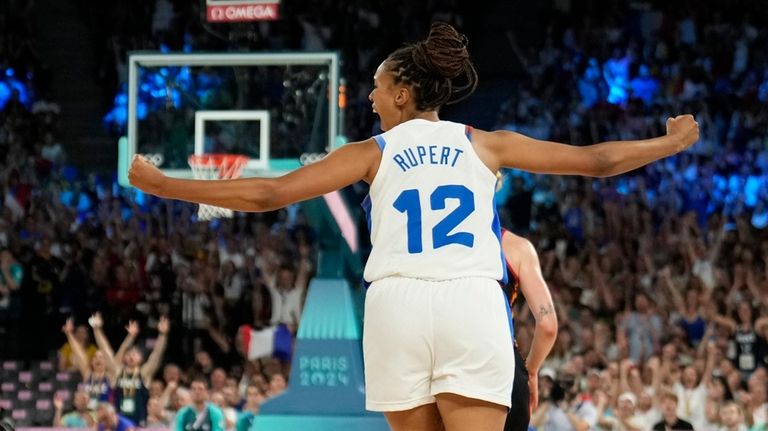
(431, 210)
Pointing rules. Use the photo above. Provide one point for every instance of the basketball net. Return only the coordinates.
(216, 167)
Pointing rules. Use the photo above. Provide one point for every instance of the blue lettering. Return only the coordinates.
(401, 162)
(410, 156)
(419, 155)
(422, 152)
(433, 154)
(458, 153)
(444, 153)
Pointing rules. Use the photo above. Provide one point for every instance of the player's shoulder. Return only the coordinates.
(494, 138)
(358, 150)
(516, 247)
(515, 240)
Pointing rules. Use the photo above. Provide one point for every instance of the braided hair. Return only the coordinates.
(438, 69)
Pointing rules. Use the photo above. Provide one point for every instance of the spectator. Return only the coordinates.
(647, 412)
(670, 421)
(230, 414)
(172, 374)
(642, 327)
(732, 417)
(689, 310)
(107, 419)
(287, 290)
(80, 417)
(83, 339)
(156, 388)
(253, 399)
(623, 418)
(218, 379)
(132, 378)
(40, 290)
(157, 416)
(566, 409)
(200, 415)
(748, 354)
(232, 396)
(755, 401)
(180, 398)
(97, 382)
(691, 395)
(277, 385)
(11, 275)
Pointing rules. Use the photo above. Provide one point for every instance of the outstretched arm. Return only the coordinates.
(153, 362)
(218, 337)
(655, 364)
(58, 405)
(101, 340)
(724, 321)
(133, 331)
(706, 378)
(340, 168)
(677, 298)
(79, 356)
(753, 287)
(624, 368)
(510, 149)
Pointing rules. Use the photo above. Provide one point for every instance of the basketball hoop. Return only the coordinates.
(216, 167)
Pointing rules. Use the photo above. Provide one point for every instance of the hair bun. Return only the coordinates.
(444, 53)
(438, 69)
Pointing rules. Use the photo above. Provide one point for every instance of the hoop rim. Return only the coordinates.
(216, 159)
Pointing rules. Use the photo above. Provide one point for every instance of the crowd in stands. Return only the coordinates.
(660, 277)
(72, 245)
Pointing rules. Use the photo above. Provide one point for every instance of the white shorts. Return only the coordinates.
(422, 338)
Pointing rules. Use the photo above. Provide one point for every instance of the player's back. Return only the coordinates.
(430, 210)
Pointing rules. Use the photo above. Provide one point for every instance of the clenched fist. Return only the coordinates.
(685, 128)
(145, 176)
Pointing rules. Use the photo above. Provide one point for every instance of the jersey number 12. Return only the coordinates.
(409, 203)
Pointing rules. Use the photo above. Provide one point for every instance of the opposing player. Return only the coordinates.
(437, 341)
(525, 275)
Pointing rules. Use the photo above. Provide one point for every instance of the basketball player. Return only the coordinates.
(525, 275)
(436, 260)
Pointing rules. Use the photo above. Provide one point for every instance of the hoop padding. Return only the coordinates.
(216, 167)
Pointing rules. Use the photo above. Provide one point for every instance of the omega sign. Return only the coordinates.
(242, 10)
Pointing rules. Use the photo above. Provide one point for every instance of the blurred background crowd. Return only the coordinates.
(660, 277)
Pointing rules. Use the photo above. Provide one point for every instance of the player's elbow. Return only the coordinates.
(547, 326)
(599, 162)
(262, 197)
